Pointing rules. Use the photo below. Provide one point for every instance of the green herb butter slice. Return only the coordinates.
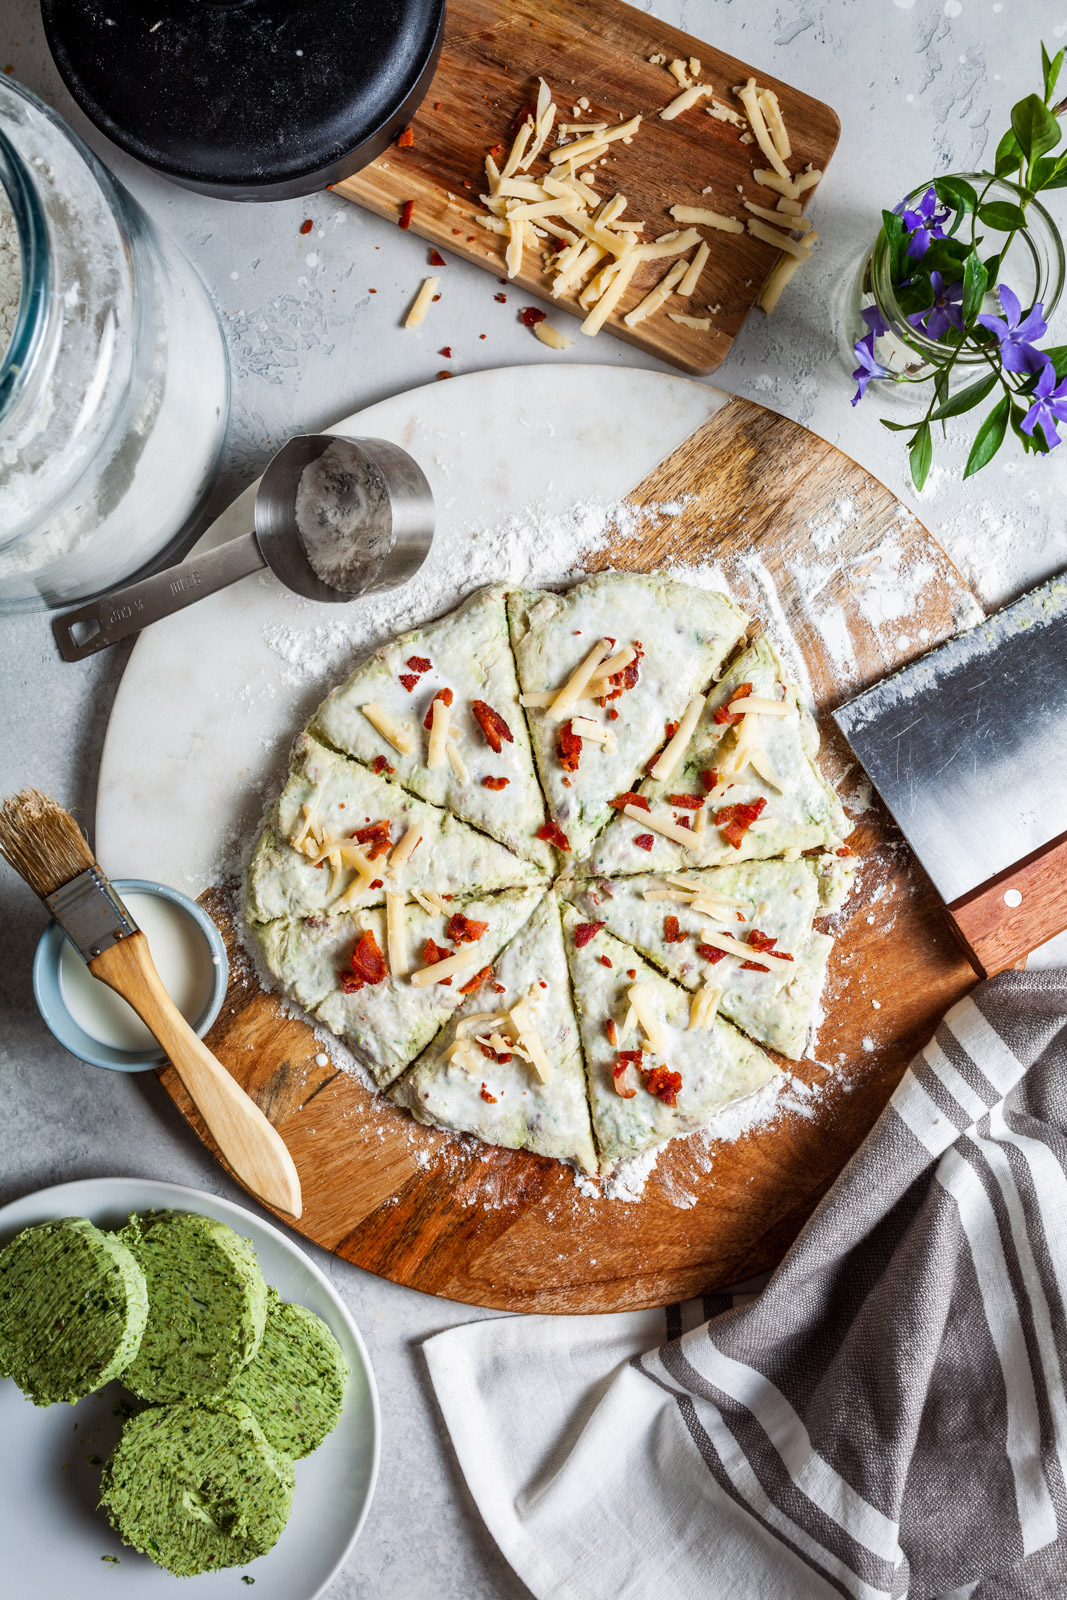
(296, 1385)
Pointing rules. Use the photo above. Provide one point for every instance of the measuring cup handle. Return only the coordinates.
(114, 616)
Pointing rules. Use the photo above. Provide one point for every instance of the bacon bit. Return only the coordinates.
(499, 988)
(631, 972)
(753, 966)
(437, 259)
(612, 1032)
(350, 984)
(306, 227)
(683, 822)
(409, 680)
(586, 931)
(367, 961)
(444, 374)
(464, 930)
(432, 953)
(492, 725)
(529, 316)
(485, 1092)
(569, 748)
(476, 983)
(496, 150)
(688, 802)
(552, 833)
(736, 820)
(376, 834)
(709, 779)
(502, 298)
(380, 765)
(672, 931)
(495, 783)
(669, 730)
(844, 851)
(627, 678)
(621, 801)
(419, 663)
(378, 883)
(405, 214)
(644, 841)
(618, 1073)
(664, 1084)
(613, 715)
(709, 952)
(604, 962)
(406, 139)
(446, 697)
(446, 352)
(728, 718)
(764, 943)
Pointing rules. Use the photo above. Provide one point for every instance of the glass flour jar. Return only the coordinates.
(114, 387)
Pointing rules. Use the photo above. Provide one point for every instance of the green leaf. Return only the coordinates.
(920, 455)
(992, 267)
(967, 398)
(897, 427)
(1050, 70)
(897, 239)
(1025, 439)
(957, 193)
(1050, 173)
(1035, 128)
(1003, 215)
(989, 438)
(941, 382)
(1008, 156)
(975, 284)
(1057, 354)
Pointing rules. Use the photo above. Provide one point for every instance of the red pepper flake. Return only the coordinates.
(542, 982)
(631, 972)
(502, 298)
(476, 982)
(669, 730)
(306, 227)
(457, 231)
(372, 291)
(481, 336)
(405, 214)
(446, 352)
(586, 931)
(486, 1095)
(409, 680)
(664, 1084)
(492, 725)
(644, 841)
(672, 931)
(844, 850)
(367, 961)
(604, 962)
(380, 765)
(621, 801)
(500, 988)
(376, 835)
(687, 802)
(378, 883)
(736, 820)
(419, 663)
(495, 783)
(612, 1032)
(464, 930)
(438, 104)
(709, 952)
(723, 715)
(437, 259)
(613, 715)
(569, 748)
(446, 697)
(406, 139)
(444, 374)
(552, 833)
(529, 316)
(709, 779)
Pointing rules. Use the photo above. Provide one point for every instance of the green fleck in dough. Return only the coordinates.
(296, 1385)
(207, 1304)
(197, 1487)
(73, 1307)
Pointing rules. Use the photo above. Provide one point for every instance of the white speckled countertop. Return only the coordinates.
(921, 86)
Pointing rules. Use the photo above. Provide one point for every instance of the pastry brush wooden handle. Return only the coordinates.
(248, 1142)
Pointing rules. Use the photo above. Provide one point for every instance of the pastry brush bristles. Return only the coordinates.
(42, 841)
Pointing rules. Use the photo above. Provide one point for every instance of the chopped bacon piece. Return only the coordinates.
(709, 952)
(444, 695)
(502, 298)
(464, 930)
(437, 259)
(736, 820)
(529, 316)
(672, 931)
(492, 725)
(683, 822)
(406, 139)
(487, 1096)
(409, 680)
(669, 730)
(476, 982)
(753, 966)
(621, 801)
(687, 802)
(405, 214)
(764, 943)
(446, 351)
(664, 1084)
(378, 883)
(499, 988)
(419, 663)
(586, 931)
(350, 984)
(612, 1032)
(613, 715)
(631, 972)
(552, 833)
(709, 779)
(623, 1061)
(495, 783)
(367, 961)
(569, 748)
(432, 953)
(726, 718)
(376, 834)
(844, 850)
(380, 765)
(644, 841)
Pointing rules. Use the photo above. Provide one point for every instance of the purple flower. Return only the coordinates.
(872, 316)
(868, 367)
(944, 313)
(924, 223)
(1014, 336)
(1049, 407)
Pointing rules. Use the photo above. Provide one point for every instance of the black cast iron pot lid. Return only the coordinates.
(248, 99)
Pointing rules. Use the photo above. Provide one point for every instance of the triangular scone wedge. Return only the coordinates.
(328, 798)
(773, 1001)
(468, 652)
(804, 814)
(502, 1100)
(685, 635)
(716, 1063)
(385, 1024)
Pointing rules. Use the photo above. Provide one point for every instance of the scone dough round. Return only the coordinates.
(295, 1387)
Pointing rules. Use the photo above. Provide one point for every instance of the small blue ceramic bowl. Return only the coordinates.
(71, 1035)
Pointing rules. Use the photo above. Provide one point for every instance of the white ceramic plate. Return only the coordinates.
(53, 1538)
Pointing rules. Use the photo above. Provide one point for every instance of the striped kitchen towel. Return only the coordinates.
(887, 1418)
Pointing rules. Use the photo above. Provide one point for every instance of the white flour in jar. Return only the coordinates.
(343, 517)
(10, 273)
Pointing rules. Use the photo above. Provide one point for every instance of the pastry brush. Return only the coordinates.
(46, 847)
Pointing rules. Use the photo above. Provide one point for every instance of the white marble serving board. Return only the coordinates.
(211, 696)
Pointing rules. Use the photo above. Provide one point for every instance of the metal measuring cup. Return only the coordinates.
(274, 542)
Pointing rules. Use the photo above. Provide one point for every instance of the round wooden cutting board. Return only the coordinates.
(852, 586)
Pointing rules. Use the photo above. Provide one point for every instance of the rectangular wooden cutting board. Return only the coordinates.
(492, 56)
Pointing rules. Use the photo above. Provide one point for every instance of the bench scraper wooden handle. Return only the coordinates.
(1013, 913)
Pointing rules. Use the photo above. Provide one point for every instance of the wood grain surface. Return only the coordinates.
(492, 56)
(804, 536)
(996, 932)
